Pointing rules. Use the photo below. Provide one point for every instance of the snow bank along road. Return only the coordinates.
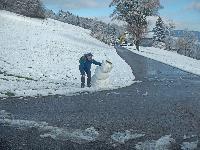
(41, 57)
(166, 102)
(170, 58)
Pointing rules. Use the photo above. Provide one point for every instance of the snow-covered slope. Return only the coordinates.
(41, 57)
(171, 58)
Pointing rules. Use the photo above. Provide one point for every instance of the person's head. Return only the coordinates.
(89, 56)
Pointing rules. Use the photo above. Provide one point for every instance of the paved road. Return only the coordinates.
(166, 101)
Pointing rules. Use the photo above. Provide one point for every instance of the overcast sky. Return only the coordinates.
(185, 13)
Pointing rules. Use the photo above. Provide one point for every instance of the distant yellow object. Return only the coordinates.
(122, 38)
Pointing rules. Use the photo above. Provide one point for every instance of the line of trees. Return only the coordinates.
(186, 44)
(30, 8)
(104, 32)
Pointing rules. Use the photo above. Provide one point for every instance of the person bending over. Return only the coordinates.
(85, 68)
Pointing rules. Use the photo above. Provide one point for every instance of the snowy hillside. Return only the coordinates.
(40, 57)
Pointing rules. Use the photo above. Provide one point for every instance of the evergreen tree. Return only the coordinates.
(159, 31)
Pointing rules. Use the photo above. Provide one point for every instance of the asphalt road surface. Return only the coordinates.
(166, 101)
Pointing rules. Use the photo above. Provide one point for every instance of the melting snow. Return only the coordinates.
(189, 145)
(122, 137)
(87, 135)
(164, 143)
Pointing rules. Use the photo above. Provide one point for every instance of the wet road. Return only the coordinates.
(166, 101)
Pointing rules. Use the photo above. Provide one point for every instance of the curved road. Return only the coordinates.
(165, 102)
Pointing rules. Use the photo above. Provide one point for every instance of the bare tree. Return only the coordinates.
(134, 13)
(197, 52)
(169, 41)
(186, 44)
(138, 33)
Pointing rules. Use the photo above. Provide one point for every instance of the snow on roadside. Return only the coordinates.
(190, 142)
(78, 135)
(40, 57)
(171, 58)
(91, 134)
(122, 137)
(164, 143)
(189, 145)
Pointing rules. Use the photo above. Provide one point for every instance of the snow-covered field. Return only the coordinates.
(171, 58)
(41, 57)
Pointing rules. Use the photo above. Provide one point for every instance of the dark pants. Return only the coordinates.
(4, 5)
(88, 79)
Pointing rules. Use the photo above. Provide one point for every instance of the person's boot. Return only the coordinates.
(89, 82)
(89, 85)
(82, 81)
(82, 85)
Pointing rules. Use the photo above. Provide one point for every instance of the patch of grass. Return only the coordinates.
(27, 78)
(17, 76)
(4, 79)
(9, 94)
(20, 77)
(2, 72)
(39, 95)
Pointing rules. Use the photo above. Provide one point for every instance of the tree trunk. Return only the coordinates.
(137, 44)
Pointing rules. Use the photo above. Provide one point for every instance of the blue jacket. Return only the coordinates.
(85, 64)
